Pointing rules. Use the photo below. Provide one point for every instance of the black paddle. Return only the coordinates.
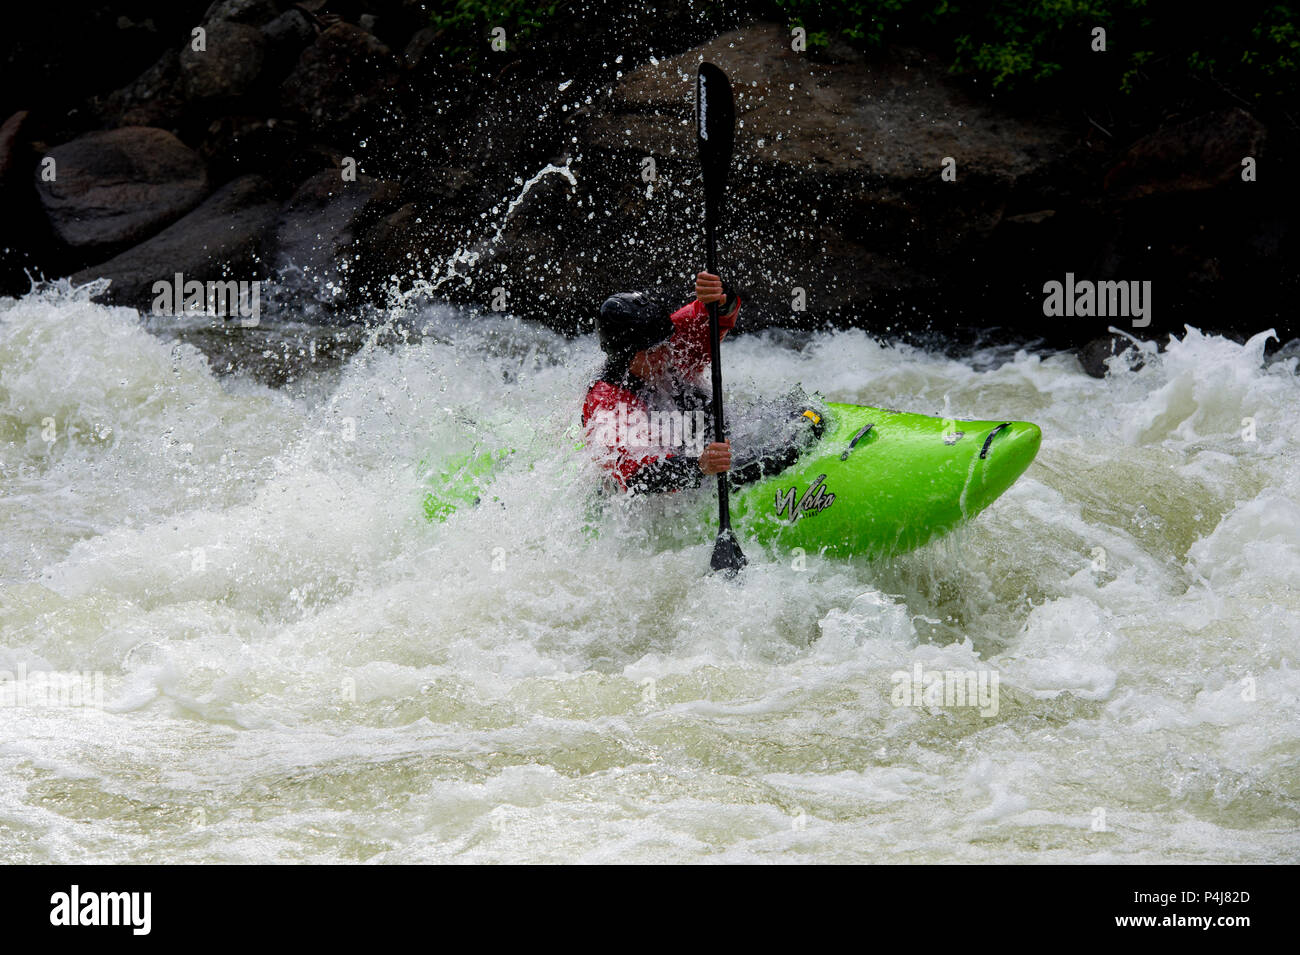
(715, 114)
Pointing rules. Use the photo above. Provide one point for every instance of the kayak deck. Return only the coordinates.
(880, 482)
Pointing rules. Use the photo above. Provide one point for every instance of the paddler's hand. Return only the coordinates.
(708, 288)
(716, 458)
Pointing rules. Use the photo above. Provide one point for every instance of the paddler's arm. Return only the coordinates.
(772, 463)
(670, 473)
(762, 463)
(710, 288)
(674, 472)
(633, 472)
(690, 342)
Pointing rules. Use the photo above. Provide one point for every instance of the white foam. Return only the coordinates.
(302, 667)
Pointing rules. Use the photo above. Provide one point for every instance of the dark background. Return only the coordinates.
(1116, 165)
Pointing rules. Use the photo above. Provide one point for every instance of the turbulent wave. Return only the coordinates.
(297, 666)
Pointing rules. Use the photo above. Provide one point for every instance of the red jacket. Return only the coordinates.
(689, 357)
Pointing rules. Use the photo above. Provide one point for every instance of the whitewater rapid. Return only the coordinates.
(296, 666)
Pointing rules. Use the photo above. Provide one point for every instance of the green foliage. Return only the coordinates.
(1253, 50)
(467, 23)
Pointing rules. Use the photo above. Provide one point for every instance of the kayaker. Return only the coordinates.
(654, 362)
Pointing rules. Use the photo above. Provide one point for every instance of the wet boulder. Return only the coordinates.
(119, 186)
(310, 246)
(221, 239)
(154, 98)
(426, 242)
(1196, 155)
(342, 76)
(21, 235)
(11, 143)
(227, 66)
(252, 12)
(288, 35)
(1095, 356)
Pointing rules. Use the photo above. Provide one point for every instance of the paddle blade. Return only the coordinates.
(727, 557)
(715, 127)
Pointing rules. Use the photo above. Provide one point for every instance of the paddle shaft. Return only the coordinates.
(715, 363)
(716, 118)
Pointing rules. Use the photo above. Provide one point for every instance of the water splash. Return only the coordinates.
(399, 300)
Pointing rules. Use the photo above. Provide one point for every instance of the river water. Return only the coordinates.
(293, 665)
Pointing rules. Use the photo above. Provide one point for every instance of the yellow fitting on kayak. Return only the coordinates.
(816, 418)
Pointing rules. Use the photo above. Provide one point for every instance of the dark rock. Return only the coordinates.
(1094, 355)
(420, 243)
(10, 143)
(1199, 154)
(154, 98)
(253, 12)
(399, 250)
(229, 64)
(1029, 218)
(219, 239)
(836, 162)
(419, 45)
(23, 240)
(838, 50)
(318, 225)
(288, 34)
(120, 186)
(61, 57)
(240, 144)
(896, 119)
(339, 77)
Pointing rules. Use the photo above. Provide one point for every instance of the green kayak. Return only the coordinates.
(865, 481)
(880, 482)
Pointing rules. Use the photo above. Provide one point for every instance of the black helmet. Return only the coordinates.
(632, 321)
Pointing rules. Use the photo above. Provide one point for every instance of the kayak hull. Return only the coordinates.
(881, 482)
